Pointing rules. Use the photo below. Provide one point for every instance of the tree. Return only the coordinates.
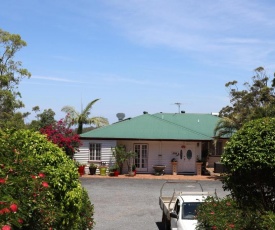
(255, 101)
(46, 118)
(82, 118)
(225, 127)
(64, 137)
(249, 158)
(11, 73)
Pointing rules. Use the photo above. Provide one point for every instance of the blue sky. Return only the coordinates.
(139, 55)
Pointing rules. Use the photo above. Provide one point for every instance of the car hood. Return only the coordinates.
(187, 225)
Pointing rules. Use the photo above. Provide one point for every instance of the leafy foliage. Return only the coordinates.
(256, 100)
(64, 137)
(42, 182)
(216, 214)
(120, 154)
(11, 74)
(44, 119)
(73, 117)
(267, 221)
(249, 158)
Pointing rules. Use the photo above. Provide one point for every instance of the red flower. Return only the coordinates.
(2, 181)
(214, 228)
(45, 184)
(231, 225)
(212, 213)
(6, 227)
(13, 207)
(33, 176)
(20, 221)
(41, 175)
(4, 210)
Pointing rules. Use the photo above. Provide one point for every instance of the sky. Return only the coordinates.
(138, 55)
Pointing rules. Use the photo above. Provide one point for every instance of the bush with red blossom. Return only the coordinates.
(224, 213)
(62, 136)
(39, 185)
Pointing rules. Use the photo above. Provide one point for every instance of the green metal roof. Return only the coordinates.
(159, 126)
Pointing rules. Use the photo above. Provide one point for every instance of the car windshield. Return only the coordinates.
(189, 210)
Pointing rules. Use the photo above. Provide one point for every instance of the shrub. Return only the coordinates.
(249, 158)
(63, 136)
(220, 214)
(268, 221)
(41, 183)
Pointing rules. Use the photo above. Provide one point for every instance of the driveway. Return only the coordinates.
(128, 204)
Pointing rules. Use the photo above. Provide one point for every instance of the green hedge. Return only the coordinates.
(38, 177)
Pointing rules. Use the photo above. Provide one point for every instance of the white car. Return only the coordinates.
(183, 215)
(179, 210)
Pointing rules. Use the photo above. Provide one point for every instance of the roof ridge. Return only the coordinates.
(193, 131)
(113, 124)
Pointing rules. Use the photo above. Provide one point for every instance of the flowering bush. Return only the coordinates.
(25, 196)
(39, 185)
(64, 137)
(221, 214)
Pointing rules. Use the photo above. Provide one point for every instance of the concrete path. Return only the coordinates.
(212, 176)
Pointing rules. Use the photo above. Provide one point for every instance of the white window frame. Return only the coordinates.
(141, 161)
(95, 151)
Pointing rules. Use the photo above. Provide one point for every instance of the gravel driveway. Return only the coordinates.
(130, 204)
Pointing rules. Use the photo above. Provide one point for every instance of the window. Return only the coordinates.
(141, 158)
(177, 207)
(216, 150)
(95, 151)
(219, 148)
(189, 210)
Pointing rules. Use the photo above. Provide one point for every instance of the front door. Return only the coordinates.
(187, 160)
(141, 160)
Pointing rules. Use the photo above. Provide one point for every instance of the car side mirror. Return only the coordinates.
(173, 215)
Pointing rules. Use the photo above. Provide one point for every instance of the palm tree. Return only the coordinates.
(83, 118)
(225, 127)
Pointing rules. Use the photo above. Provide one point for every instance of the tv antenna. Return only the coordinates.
(178, 104)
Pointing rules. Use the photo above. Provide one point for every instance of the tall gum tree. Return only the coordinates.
(255, 100)
(11, 73)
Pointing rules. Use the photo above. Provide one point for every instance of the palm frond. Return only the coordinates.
(98, 121)
(88, 107)
(82, 118)
(70, 110)
(225, 127)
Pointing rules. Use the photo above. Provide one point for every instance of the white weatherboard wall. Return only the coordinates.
(83, 154)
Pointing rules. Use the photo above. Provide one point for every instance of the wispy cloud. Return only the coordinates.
(142, 82)
(46, 78)
(231, 31)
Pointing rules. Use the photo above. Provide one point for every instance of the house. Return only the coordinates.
(157, 139)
